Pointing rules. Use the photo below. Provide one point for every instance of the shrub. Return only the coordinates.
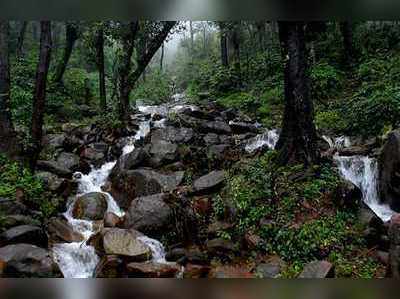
(330, 121)
(155, 90)
(326, 81)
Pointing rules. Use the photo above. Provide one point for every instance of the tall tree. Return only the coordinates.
(7, 133)
(162, 57)
(234, 38)
(99, 45)
(347, 34)
(39, 96)
(21, 38)
(71, 36)
(298, 139)
(223, 44)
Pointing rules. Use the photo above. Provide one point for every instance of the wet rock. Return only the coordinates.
(162, 152)
(24, 234)
(211, 139)
(271, 268)
(54, 167)
(91, 206)
(12, 207)
(93, 156)
(25, 260)
(243, 127)
(126, 243)
(196, 271)
(9, 221)
(231, 272)
(355, 151)
(220, 247)
(61, 231)
(128, 185)
(209, 182)
(394, 250)
(218, 127)
(51, 181)
(110, 266)
(318, 269)
(347, 195)
(149, 215)
(111, 220)
(152, 270)
(175, 254)
(54, 141)
(173, 135)
(130, 161)
(389, 171)
(68, 161)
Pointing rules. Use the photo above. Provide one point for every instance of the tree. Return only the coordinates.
(99, 45)
(223, 44)
(39, 96)
(298, 139)
(20, 41)
(347, 34)
(71, 36)
(8, 144)
(162, 57)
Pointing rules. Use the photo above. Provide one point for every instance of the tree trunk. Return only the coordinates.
(162, 57)
(298, 139)
(20, 41)
(39, 97)
(224, 48)
(347, 33)
(236, 53)
(99, 44)
(7, 133)
(128, 37)
(191, 41)
(71, 35)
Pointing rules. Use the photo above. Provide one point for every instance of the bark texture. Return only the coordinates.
(99, 44)
(21, 38)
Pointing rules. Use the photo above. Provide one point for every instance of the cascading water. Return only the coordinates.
(77, 259)
(269, 139)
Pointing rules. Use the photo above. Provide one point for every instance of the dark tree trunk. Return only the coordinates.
(162, 58)
(99, 44)
(236, 53)
(71, 35)
(347, 33)
(224, 48)
(39, 96)
(35, 30)
(7, 133)
(20, 41)
(128, 37)
(191, 41)
(298, 139)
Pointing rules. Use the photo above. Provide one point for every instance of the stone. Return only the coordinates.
(389, 171)
(68, 161)
(211, 139)
(318, 269)
(175, 254)
(130, 184)
(173, 134)
(162, 152)
(393, 269)
(355, 151)
(9, 221)
(196, 271)
(231, 272)
(111, 220)
(110, 266)
(54, 141)
(90, 206)
(149, 215)
(272, 268)
(26, 260)
(51, 181)
(95, 157)
(54, 167)
(61, 231)
(24, 234)
(220, 247)
(130, 161)
(218, 127)
(12, 207)
(243, 127)
(347, 195)
(126, 243)
(152, 270)
(209, 183)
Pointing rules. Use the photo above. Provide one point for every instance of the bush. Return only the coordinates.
(155, 90)
(330, 121)
(326, 81)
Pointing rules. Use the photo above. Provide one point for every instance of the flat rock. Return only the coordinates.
(318, 269)
(61, 231)
(68, 161)
(54, 167)
(209, 182)
(271, 268)
(24, 234)
(152, 270)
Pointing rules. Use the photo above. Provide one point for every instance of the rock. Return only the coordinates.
(25, 260)
(128, 185)
(389, 171)
(110, 266)
(271, 268)
(211, 139)
(347, 195)
(95, 157)
(220, 247)
(393, 269)
(130, 161)
(382, 257)
(175, 254)
(51, 181)
(196, 271)
(218, 226)
(24, 234)
(230, 272)
(173, 135)
(209, 182)
(12, 207)
(355, 151)
(61, 231)
(111, 220)
(229, 114)
(218, 127)
(243, 127)
(162, 152)
(9, 221)
(149, 215)
(54, 141)
(318, 269)
(126, 243)
(68, 161)
(54, 167)
(252, 240)
(91, 206)
(152, 270)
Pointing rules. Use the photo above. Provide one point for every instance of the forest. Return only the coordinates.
(200, 149)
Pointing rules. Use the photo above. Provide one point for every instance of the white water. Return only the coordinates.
(269, 139)
(78, 260)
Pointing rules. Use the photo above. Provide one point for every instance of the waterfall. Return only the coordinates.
(269, 139)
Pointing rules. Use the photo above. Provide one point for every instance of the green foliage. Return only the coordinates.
(155, 90)
(14, 177)
(239, 100)
(326, 81)
(330, 121)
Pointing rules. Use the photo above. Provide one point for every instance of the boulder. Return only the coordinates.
(196, 271)
(220, 247)
(93, 156)
(12, 207)
(54, 167)
(25, 260)
(389, 171)
(133, 160)
(318, 269)
(51, 181)
(130, 184)
(209, 183)
(218, 127)
(9, 221)
(126, 243)
(243, 127)
(360, 150)
(211, 139)
(393, 269)
(173, 134)
(28, 234)
(91, 206)
(231, 272)
(61, 231)
(68, 161)
(110, 266)
(149, 215)
(272, 268)
(111, 220)
(54, 141)
(162, 152)
(347, 195)
(152, 270)
(175, 254)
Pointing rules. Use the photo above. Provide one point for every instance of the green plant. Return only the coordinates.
(330, 121)
(326, 81)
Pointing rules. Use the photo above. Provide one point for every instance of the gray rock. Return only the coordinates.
(209, 182)
(61, 231)
(211, 139)
(25, 260)
(125, 243)
(218, 127)
(162, 152)
(130, 161)
(91, 206)
(50, 180)
(173, 134)
(271, 268)
(149, 215)
(24, 234)
(111, 220)
(54, 167)
(54, 141)
(318, 269)
(9, 221)
(152, 270)
(243, 127)
(12, 207)
(68, 161)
